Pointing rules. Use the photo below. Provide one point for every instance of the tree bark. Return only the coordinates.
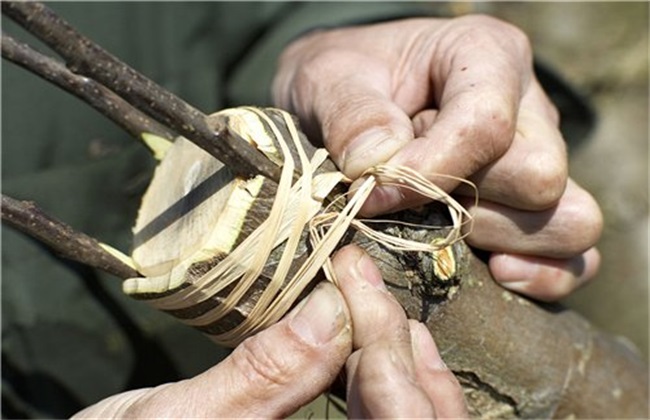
(513, 356)
(67, 243)
(516, 357)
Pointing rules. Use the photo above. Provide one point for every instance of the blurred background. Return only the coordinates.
(602, 50)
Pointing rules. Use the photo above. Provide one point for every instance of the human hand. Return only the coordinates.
(457, 97)
(395, 369)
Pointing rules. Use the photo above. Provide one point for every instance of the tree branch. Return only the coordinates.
(91, 92)
(61, 238)
(86, 58)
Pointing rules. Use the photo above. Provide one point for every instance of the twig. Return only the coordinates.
(61, 238)
(86, 58)
(91, 92)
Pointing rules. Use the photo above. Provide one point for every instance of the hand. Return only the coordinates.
(457, 97)
(395, 370)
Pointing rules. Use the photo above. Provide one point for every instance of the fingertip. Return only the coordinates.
(383, 199)
(434, 376)
(321, 318)
(386, 199)
(373, 146)
(545, 279)
(352, 263)
(424, 348)
(284, 367)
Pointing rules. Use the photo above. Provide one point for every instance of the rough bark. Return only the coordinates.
(67, 243)
(516, 357)
(513, 356)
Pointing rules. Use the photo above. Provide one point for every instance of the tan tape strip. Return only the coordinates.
(296, 207)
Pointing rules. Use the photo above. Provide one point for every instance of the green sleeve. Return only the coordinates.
(254, 73)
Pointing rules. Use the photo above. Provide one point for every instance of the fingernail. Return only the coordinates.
(515, 273)
(426, 349)
(509, 268)
(382, 199)
(368, 271)
(321, 317)
(371, 147)
(516, 286)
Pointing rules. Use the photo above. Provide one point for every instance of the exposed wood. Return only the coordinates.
(514, 357)
(191, 219)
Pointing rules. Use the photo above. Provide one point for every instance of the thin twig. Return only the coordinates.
(86, 58)
(91, 92)
(61, 238)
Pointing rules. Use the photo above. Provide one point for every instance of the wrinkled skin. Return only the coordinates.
(458, 97)
(452, 96)
(393, 366)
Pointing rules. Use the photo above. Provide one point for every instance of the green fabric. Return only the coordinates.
(69, 336)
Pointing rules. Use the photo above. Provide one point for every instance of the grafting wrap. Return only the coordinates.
(297, 208)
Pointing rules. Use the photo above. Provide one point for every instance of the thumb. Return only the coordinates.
(345, 97)
(363, 128)
(271, 374)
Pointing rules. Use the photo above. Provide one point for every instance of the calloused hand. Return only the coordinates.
(458, 97)
(393, 366)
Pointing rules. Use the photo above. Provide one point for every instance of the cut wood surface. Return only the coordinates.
(514, 357)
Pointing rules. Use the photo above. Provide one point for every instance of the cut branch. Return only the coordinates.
(61, 238)
(86, 58)
(91, 92)
(493, 340)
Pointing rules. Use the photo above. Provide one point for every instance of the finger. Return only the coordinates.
(271, 374)
(544, 278)
(380, 385)
(381, 375)
(347, 95)
(480, 85)
(376, 314)
(436, 379)
(532, 174)
(564, 231)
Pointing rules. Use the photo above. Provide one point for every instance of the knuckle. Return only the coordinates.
(546, 180)
(304, 72)
(584, 215)
(497, 118)
(262, 367)
(493, 125)
(488, 29)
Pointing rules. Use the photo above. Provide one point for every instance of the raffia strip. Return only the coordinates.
(296, 207)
